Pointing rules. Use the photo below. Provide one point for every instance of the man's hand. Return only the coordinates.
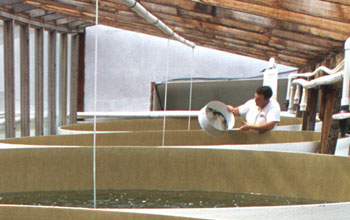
(232, 109)
(245, 126)
(259, 127)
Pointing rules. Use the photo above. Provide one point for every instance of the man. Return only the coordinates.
(262, 113)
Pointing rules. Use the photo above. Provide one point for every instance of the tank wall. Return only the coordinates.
(157, 124)
(171, 138)
(299, 175)
(58, 213)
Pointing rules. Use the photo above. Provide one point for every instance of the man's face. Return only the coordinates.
(260, 100)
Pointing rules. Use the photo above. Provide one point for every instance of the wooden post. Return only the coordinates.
(39, 86)
(74, 80)
(309, 116)
(52, 82)
(63, 81)
(81, 72)
(328, 100)
(25, 97)
(10, 130)
(312, 103)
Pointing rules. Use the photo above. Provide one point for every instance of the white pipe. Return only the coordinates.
(290, 105)
(270, 77)
(303, 101)
(345, 93)
(306, 75)
(297, 95)
(142, 12)
(324, 80)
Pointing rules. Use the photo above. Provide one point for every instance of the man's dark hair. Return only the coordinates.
(266, 91)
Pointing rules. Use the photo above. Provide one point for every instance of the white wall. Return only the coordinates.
(128, 62)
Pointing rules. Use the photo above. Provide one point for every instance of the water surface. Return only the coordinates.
(150, 199)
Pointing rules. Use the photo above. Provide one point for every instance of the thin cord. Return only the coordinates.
(166, 92)
(190, 96)
(95, 104)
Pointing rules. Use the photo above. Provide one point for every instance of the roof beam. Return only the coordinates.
(21, 19)
(9, 2)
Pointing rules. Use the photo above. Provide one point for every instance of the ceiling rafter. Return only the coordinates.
(295, 32)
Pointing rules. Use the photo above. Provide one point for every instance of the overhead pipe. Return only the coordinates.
(324, 80)
(307, 75)
(142, 12)
(335, 75)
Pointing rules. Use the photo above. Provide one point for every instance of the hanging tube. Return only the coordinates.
(142, 12)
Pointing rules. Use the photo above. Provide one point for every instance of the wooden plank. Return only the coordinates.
(74, 80)
(25, 82)
(52, 17)
(9, 79)
(316, 8)
(22, 7)
(9, 2)
(281, 14)
(62, 100)
(51, 96)
(39, 85)
(257, 24)
(342, 2)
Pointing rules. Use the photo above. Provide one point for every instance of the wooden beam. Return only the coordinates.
(74, 79)
(9, 81)
(52, 82)
(25, 82)
(39, 85)
(62, 100)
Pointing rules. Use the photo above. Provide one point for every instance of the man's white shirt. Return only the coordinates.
(271, 112)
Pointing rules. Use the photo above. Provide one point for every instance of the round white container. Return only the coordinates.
(215, 119)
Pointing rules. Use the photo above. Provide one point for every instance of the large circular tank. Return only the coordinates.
(29, 168)
(291, 141)
(171, 123)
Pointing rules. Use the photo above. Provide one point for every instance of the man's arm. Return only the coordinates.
(259, 127)
(233, 109)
